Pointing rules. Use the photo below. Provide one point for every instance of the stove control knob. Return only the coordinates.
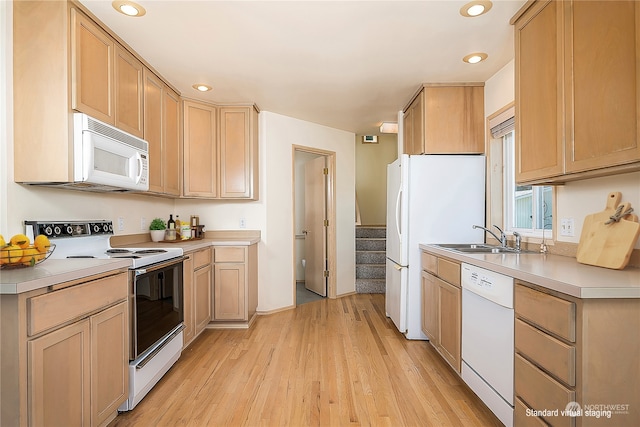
(95, 228)
(105, 227)
(47, 230)
(57, 230)
(69, 229)
(111, 226)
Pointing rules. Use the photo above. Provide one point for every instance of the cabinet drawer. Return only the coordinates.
(429, 262)
(449, 271)
(542, 392)
(55, 308)
(521, 419)
(229, 254)
(201, 258)
(551, 354)
(550, 313)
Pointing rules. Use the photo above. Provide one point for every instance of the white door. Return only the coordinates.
(315, 208)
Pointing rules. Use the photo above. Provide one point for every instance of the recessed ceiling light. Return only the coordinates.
(202, 87)
(128, 8)
(476, 8)
(474, 58)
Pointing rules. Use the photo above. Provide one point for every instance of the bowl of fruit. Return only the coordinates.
(19, 252)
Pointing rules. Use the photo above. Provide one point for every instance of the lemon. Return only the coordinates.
(30, 256)
(20, 240)
(2, 241)
(41, 243)
(10, 254)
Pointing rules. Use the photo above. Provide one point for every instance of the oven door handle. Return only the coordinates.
(140, 271)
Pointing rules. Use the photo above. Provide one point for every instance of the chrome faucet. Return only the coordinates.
(518, 240)
(503, 237)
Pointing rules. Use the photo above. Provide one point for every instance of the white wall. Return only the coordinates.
(574, 199)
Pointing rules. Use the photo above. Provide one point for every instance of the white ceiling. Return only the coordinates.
(344, 64)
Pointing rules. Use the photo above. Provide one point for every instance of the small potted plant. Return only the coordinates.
(157, 228)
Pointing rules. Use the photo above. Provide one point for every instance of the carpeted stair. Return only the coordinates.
(371, 244)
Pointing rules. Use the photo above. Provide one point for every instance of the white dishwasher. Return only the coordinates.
(487, 338)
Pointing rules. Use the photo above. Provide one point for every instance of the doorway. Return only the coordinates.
(314, 224)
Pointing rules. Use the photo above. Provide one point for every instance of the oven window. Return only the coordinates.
(159, 305)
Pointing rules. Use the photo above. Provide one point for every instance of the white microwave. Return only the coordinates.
(106, 158)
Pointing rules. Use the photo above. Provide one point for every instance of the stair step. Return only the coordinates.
(370, 286)
(370, 271)
(371, 244)
(371, 257)
(378, 232)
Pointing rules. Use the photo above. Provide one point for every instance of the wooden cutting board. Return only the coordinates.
(608, 245)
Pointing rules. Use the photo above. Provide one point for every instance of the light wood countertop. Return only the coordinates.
(554, 272)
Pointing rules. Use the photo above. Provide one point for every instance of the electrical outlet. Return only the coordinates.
(243, 223)
(567, 227)
(143, 224)
(120, 223)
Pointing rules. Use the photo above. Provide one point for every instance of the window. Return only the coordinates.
(527, 209)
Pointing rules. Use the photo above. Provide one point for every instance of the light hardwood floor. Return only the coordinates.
(326, 363)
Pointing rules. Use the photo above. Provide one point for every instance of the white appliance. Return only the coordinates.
(488, 338)
(430, 199)
(106, 159)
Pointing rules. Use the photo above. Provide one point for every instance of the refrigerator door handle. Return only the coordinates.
(398, 213)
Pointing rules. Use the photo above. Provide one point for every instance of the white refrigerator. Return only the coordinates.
(430, 199)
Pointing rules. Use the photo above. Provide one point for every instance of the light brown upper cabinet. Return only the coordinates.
(162, 132)
(239, 152)
(106, 80)
(577, 94)
(220, 151)
(200, 147)
(445, 119)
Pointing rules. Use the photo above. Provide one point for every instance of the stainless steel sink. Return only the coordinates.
(481, 248)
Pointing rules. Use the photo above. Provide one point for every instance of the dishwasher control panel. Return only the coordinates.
(488, 284)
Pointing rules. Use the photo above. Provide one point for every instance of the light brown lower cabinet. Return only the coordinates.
(65, 353)
(235, 285)
(573, 353)
(442, 307)
(197, 293)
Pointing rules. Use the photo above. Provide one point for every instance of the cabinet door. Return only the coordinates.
(92, 77)
(237, 159)
(202, 297)
(229, 292)
(430, 308)
(602, 73)
(129, 92)
(153, 126)
(171, 142)
(414, 126)
(59, 372)
(450, 305)
(188, 294)
(539, 109)
(200, 150)
(109, 362)
(453, 119)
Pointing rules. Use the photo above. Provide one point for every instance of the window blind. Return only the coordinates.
(503, 123)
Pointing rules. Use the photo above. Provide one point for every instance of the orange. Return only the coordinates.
(30, 256)
(41, 243)
(20, 240)
(10, 254)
